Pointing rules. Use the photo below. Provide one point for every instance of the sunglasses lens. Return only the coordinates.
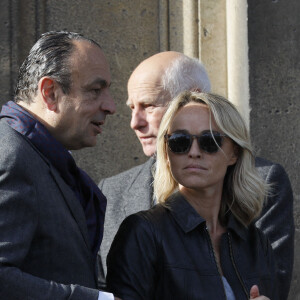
(207, 142)
(179, 142)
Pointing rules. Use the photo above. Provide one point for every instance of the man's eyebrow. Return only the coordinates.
(146, 101)
(102, 82)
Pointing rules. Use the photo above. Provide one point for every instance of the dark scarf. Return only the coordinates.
(89, 195)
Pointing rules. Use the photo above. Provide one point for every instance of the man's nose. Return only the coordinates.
(109, 106)
(138, 119)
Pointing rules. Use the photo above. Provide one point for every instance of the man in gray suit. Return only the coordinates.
(51, 213)
(151, 86)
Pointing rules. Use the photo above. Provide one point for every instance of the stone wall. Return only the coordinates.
(132, 30)
(274, 56)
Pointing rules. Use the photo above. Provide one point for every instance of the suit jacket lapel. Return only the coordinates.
(137, 196)
(73, 204)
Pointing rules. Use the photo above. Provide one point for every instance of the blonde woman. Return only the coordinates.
(199, 242)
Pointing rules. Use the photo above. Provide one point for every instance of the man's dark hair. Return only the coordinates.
(48, 57)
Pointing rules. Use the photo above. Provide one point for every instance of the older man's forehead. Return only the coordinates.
(147, 94)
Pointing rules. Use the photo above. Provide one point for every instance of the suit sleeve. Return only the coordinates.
(100, 268)
(277, 223)
(18, 223)
(132, 260)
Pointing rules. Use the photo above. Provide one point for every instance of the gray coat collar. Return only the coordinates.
(138, 188)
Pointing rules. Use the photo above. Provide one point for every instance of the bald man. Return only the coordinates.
(151, 87)
(153, 84)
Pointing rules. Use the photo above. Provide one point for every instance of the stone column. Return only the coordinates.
(237, 55)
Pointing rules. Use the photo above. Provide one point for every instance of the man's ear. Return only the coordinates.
(48, 90)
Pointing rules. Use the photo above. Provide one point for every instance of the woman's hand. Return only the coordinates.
(254, 294)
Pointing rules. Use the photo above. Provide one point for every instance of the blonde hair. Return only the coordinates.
(243, 190)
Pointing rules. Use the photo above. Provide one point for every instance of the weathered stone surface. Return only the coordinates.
(274, 89)
(213, 43)
(128, 33)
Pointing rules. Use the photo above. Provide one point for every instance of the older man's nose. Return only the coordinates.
(138, 119)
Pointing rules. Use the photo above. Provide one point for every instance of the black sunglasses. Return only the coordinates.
(181, 142)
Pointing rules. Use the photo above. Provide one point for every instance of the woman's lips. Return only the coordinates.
(195, 167)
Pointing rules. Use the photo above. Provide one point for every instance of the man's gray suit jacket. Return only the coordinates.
(44, 245)
(131, 191)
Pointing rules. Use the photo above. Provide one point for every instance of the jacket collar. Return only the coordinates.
(235, 226)
(184, 214)
(188, 219)
(138, 189)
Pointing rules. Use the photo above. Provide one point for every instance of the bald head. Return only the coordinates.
(153, 68)
(153, 84)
